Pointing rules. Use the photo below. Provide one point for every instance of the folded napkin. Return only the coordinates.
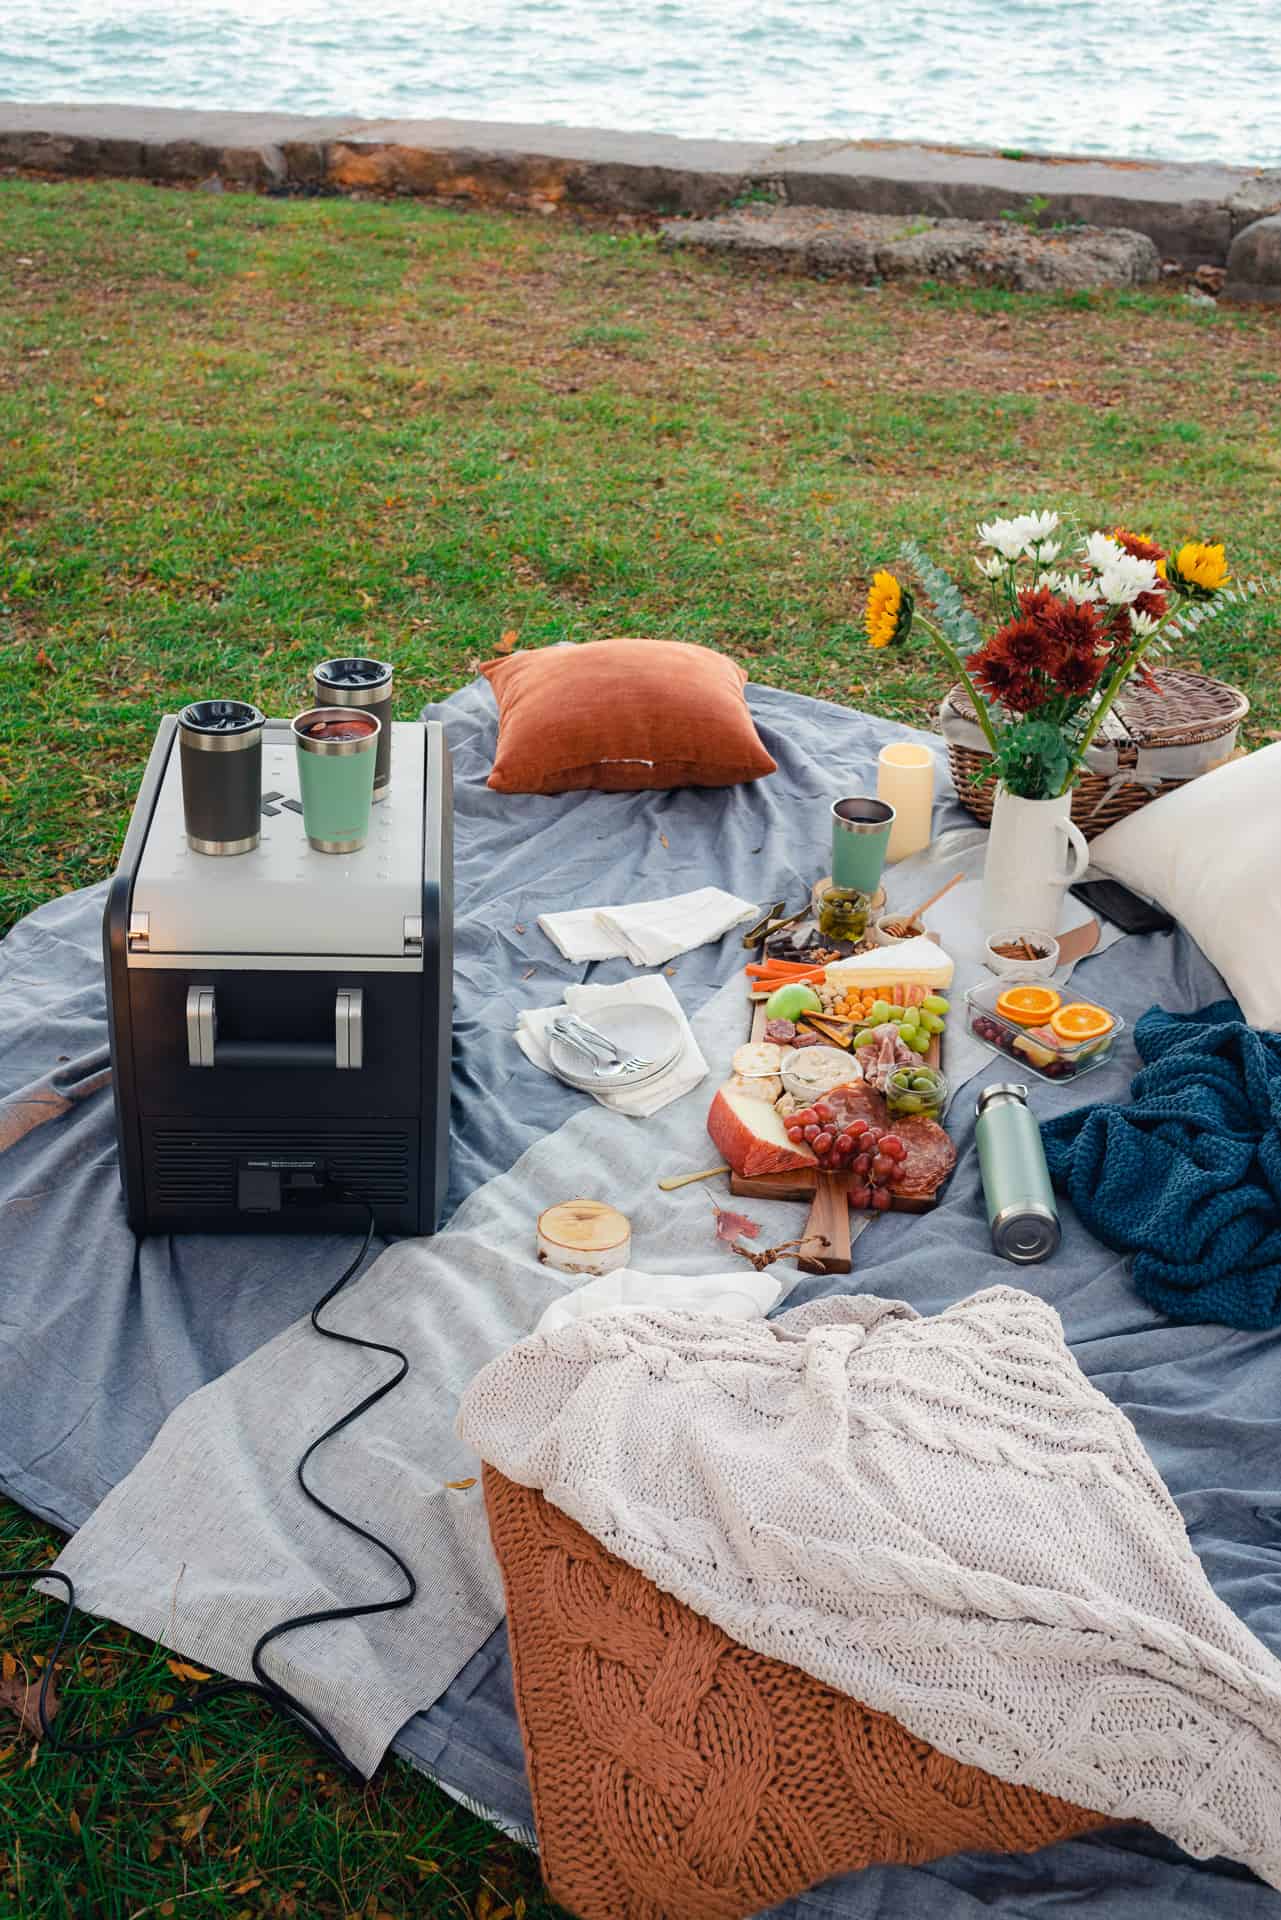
(1187, 1177)
(651, 990)
(649, 933)
(741, 1295)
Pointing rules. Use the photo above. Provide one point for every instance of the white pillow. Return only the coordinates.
(1210, 854)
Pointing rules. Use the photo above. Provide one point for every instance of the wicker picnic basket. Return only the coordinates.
(1155, 739)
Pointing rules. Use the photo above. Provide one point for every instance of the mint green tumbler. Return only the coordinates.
(860, 838)
(337, 751)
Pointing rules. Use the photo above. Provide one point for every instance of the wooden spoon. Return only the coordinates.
(918, 912)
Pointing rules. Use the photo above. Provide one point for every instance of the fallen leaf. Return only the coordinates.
(733, 1226)
(247, 1886)
(24, 1701)
(529, 973)
(181, 1671)
(8, 1666)
(99, 399)
(519, 928)
(663, 840)
(192, 1824)
(510, 636)
(73, 1821)
(460, 1486)
(43, 660)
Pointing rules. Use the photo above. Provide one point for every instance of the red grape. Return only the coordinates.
(806, 1118)
(880, 1198)
(883, 1165)
(812, 1131)
(863, 1164)
(891, 1144)
(874, 1136)
(858, 1126)
(795, 1133)
(860, 1196)
(822, 1144)
(844, 1143)
(824, 1113)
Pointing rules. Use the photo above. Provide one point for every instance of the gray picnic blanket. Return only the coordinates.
(100, 1338)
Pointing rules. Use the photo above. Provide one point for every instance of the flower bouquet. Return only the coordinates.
(1074, 618)
(1065, 641)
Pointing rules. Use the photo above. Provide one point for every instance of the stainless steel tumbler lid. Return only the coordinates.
(862, 816)
(366, 742)
(353, 682)
(221, 726)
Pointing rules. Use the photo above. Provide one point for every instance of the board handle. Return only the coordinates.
(829, 1220)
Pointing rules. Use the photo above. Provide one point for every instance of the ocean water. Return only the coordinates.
(1182, 79)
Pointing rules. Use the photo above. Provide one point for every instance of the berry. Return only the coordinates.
(806, 1118)
(795, 1133)
(844, 1144)
(812, 1131)
(858, 1126)
(860, 1196)
(880, 1199)
(883, 1166)
(822, 1144)
(824, 1113)
(893, 1146)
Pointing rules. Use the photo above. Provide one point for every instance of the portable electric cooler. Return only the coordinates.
(281, 1019)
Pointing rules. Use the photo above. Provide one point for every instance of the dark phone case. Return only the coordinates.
(1123, 908)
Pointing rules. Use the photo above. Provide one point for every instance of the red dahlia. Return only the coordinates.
(1135, 543)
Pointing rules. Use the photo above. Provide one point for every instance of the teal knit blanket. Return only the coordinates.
(1187, 1177)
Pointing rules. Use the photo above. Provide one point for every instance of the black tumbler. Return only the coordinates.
(361, 683)
(220, 743)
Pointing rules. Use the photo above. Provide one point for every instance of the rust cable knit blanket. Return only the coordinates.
(678, 1776)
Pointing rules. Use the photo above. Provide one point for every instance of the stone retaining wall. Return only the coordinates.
(1191, 211)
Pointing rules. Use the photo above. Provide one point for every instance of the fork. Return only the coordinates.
(610, 1062)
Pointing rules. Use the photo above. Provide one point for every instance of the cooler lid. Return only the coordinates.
(284, 897)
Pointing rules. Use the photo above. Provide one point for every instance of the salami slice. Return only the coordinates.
(930, 1156)
(781, 1032)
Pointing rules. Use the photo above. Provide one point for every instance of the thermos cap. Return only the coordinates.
(1003, 1090)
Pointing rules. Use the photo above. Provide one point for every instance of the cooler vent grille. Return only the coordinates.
(198, 1169)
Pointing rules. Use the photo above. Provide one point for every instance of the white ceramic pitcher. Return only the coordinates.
(1034, 853)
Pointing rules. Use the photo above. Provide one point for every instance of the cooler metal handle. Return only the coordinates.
(204, 1049)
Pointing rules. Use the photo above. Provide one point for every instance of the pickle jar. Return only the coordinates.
(843, 913)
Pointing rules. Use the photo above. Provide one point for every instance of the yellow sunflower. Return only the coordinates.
(889, 611)
(1199, 568)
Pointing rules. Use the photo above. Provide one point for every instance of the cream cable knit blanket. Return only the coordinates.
(940, 1517)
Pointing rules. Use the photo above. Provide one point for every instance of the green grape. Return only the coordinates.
(865, 1038)
(895, 1013)
(918, 1041)
(934, 1003)
(880, 1011)
(932, 1022)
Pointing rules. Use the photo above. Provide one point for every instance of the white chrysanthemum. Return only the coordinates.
(1047, 550)
(1101, 550)
(1124, 578)
(1142, 624)
(1037, 528)
(992, 567)
(1049, 579)
(1009, 537)
(1075, 586)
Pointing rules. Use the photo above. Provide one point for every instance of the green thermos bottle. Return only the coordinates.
(1016, 1180)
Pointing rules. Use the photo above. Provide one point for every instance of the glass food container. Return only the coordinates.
(1038, 1049)
(843, 913)
(916, 1090)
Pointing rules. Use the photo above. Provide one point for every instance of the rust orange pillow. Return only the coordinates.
(622, 715)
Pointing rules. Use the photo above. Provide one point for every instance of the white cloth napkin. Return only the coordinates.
(741, 1295)
(649, 933)
(651, 990)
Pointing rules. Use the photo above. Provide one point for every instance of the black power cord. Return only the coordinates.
(263, 1683)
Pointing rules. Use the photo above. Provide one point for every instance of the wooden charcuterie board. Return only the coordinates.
(826, 1190)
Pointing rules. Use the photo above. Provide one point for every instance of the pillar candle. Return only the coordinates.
(905, 779)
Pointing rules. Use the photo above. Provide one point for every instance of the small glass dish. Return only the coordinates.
(1036, 1048)
(843, 913)
(916, 1090)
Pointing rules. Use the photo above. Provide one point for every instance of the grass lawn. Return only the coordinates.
(240, 434)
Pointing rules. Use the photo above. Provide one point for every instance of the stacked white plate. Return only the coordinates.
(648, 1032)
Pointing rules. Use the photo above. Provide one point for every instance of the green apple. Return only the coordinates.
(788, 1003)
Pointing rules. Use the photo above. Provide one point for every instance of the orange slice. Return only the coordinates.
(1081, 1021)
(1028, 1006)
